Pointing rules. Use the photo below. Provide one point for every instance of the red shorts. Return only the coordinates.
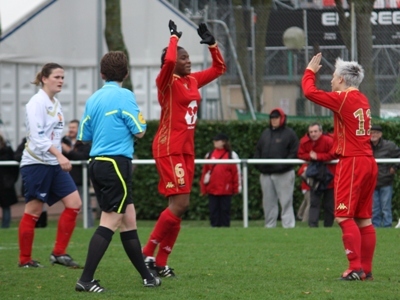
(176, 174)
(355, 181)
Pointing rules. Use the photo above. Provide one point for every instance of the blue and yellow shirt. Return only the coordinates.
(110, 121)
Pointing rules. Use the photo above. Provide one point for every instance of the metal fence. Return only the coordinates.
(244, 167)
(319, 20)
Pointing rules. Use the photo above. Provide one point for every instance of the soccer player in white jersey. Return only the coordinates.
(44, 170)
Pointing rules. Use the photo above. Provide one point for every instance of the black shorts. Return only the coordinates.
(111, 177)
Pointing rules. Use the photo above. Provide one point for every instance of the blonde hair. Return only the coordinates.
(351, 71)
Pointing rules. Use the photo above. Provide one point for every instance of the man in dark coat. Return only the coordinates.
(8, 177)
(277, 180)
(382, 206)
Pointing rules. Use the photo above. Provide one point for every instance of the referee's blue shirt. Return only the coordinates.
(110, 121)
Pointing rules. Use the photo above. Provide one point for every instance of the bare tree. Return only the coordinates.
(363, 10)
(113, 33)
(243, 32)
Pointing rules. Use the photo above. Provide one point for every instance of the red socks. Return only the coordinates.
(26, 232)
(167, 244)
(164, 233)
(352, 243)
(368, 242)
(66, 226)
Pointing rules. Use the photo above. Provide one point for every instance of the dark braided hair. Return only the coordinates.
(164, 52)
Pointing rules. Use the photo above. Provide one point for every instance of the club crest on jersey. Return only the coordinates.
(141, 118)
(191, 114)
(60, 117)
(181, 181)
(341, 206)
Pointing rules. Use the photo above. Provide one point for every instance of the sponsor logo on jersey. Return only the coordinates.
(169, 185)
(191, 114)
(341, 206)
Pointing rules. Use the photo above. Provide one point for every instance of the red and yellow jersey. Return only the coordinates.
(351, 113)
(179, 99)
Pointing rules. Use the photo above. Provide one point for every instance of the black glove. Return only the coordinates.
(173, 30)
(206, 36)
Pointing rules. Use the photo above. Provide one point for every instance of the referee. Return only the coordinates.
(110, 122)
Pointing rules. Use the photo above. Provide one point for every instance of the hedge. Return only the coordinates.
(243, 136)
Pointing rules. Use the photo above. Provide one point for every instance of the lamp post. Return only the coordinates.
(293, 39)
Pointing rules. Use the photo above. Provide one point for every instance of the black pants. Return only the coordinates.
(220, 208)
(315, 207)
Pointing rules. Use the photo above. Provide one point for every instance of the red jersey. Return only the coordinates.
(179, 99)
(322, 147)
(304, 185)
(224, 179)
(351, 117)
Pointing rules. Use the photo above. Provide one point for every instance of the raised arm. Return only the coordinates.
(166, 74)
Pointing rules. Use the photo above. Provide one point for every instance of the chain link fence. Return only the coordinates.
(319, 21)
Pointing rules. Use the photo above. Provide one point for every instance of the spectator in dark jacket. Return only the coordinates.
(316, 146)
(220, 181)
(277, 180)
(8, 177)
(382, 207)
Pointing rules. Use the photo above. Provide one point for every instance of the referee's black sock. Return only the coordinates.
(97, 247)
(131, 243)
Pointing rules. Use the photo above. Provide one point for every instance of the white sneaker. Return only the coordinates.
(398, 225)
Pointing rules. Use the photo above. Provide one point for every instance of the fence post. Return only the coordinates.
(245, 194)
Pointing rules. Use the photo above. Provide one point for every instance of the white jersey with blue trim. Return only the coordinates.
(44, 122)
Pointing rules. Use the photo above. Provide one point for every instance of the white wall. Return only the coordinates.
(65, 32)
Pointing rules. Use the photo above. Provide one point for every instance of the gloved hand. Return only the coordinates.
(173, 30)
(206, 36)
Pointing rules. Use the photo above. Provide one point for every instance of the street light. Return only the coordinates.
(293, 39)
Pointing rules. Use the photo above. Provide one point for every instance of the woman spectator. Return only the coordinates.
(220, 181)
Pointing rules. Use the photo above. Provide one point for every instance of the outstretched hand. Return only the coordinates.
(206, 36)
(315, 63)
(173, 30)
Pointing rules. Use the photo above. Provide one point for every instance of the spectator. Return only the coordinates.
(68, 141)
(173, 144)
(304, 209)
(110, 122)
(382, 207)
(220, 181)
(76, 150)
(277, 180)
(44, 170)
(356, 171)
(8, 177)
(317, 146)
